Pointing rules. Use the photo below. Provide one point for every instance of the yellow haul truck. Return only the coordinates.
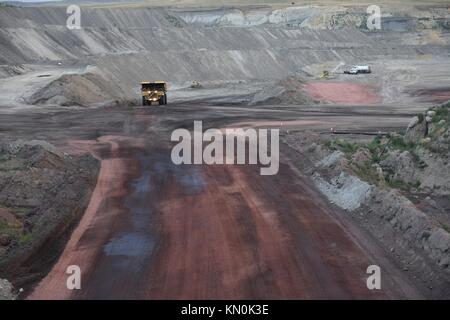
(153, 92)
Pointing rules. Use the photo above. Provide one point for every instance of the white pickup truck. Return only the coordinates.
(358, 69)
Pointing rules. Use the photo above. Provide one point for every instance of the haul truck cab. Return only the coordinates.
(153, 91)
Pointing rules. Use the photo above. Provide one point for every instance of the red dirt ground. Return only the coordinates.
(345, 93)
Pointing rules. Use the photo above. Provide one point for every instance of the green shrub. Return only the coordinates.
(25, 238)
(398, 143)
(342, 145)
(442, 114)
(347, 147)
(367, 172)
(330, 145)
(402, 185)
(9, 229)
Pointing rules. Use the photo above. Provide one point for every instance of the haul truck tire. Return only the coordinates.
(163, 100)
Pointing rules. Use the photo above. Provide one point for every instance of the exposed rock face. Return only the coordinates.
(331, 160)
(6, 290)
(42, 193)
(314, 17)
(439, 245)
(428, 162)
(395, 216)
(414, 121)
(347, 191)
(400, 166)
(416, 130)
(411, 225)
(435, 174)
(414, 231)
(361, 157)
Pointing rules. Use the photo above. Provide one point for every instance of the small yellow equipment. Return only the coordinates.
(325, 74)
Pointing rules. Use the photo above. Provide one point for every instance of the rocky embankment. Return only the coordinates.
(43, 193)
(397, 186)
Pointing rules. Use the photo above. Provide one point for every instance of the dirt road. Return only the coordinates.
(156, 230)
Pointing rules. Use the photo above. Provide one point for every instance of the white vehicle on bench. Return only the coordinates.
(358, 69)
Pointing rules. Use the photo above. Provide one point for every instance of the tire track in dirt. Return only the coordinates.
(253, 237)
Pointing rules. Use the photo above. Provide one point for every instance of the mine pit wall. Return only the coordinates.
(131, 44)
